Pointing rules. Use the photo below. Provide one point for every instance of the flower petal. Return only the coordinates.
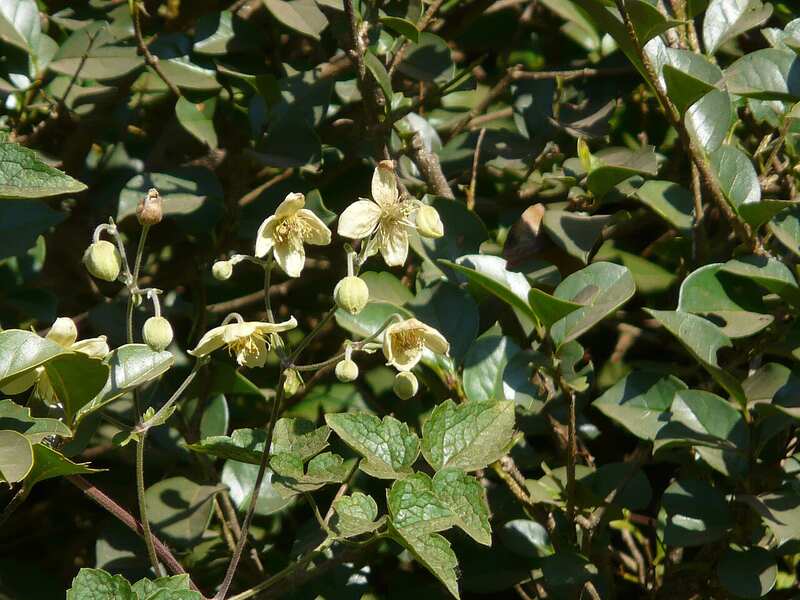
(293, 202)
(264, 241)
(393, 244)
(212, 340)
(434, 340)
(93, 347)
(359, 220)
(63, 332)
(384, 183)
(318, 233)
(263, 327)
(291, 257)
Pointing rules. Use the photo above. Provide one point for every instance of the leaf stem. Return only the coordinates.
(147, 534)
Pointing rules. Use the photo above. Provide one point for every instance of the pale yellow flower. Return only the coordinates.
(285, 232)
(246, 339)
(404, 343)
(64, 333)
(387, 215)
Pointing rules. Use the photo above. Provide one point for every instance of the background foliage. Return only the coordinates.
(618, 184)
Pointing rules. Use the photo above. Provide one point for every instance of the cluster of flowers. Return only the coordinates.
(382, 224)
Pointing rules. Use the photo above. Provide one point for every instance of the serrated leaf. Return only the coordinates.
(290, 478)
(24, 175)
(388, 446)
(96, 584)
(415, 509)
(76, 379)
(300, 437)
(355, 514)
(435, 554)
(467, 436)
(16, 456)
(725, 19)
(176, 584)
(21, 351)
(243, 445)
(18, 418)
(48, 463)
(466, 497)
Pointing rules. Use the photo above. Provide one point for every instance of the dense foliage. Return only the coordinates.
(378, 298)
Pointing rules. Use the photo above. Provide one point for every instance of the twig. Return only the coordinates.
(570, 74)
(429, 167)
(151, 60)
(147, 534)
(589, 587)
(495, 93)
(473, 179)
(422, 24)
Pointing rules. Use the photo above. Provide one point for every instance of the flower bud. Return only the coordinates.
(346, 371)
(405, 385)
(292, 383)
(150, 210)
(429, 224)
(157, 333)
(222, 270)
(351, 294)
(102, 260)
(63, 332)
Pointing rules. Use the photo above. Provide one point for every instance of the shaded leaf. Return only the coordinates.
(24, 175)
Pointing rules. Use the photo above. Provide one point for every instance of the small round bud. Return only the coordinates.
(63, 332)
(102, 260)
(157, 333)
(351, 294)
(292, 383)
(346, 371)
(150, 210)
(429, 224)
(222, 270)
(405, 385)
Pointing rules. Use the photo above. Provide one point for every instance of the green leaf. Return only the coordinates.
(640, 402)
(739, 182)
(709, 119)
(76, 380)
(22, 222)
(216, 415)
(179, 65)
(241, 480)
(435, 554)
(648, 20)
(93, 53)
(733, 301)
(165, 588)
(20, 25)
(526, 538)
(415, 509)
(48, 463)
(689, 77)
(703, 340)
(467, 436)
(16, 456)
(243, 445)
(388, 446)
(602, 288)
(550, 309)
(767, 74)
(450, 310)
(403, 27)
(714, 427)
(96, 584)
(428, 60)
(355, 514)
(785, 226)
(378, 71)
(180, 510)
(303, 16)
(618, 164)
(485, 364)
(299, 437)
(22, 351)
(198, 119)
(576, 233)
(774, 387)
(290, 478)
(697, 513)
(130, 366)
(747, 572)
(370, 319)
(671, 201)
(770, 273)
(726, 19)
(18, 418)
(780, 511)
(649, 277)
(24, 175)
(466, 498)
(218, 34)
(385, 287)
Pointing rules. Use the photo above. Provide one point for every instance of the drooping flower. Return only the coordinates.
(404, 343)
(388, 215)
(285, 233)
(64, 333)
(246, 339)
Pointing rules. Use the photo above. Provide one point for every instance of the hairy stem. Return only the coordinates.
(147, 534)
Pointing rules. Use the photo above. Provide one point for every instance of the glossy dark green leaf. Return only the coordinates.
(241, 479)
(95, 52)
(378, 71)
(403, 27)
(485, 364)
(428, 60)
(747, 572)
(180, 509)
(768, 272)
(576, 233)
(215, 417)
(689, 77)
(785, 226)
(526, 538)
(780, 511)
(198, 119)
(737, 178)
(671, 201)
(302, 16)
(549, 309)
(450, 310)
(76, 380)
(615, 165)
(18, 418)
(709, 119)
(725, 19)
(24, 175)
(21, 351)
(20, 25)
(697, 513)
(768, 74)
(22, 222)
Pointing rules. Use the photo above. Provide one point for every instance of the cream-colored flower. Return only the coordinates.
(245, 339)
(64, 333)
(404, 343)
(285, 232)
(387, 215)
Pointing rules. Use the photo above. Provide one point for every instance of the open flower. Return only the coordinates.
(285, 232)
(404, 343)
(246, 339)
(64, 333)
(387, 215)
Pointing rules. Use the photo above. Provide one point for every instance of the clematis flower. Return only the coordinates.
(285, 232)
(404, 343)
(387, 215)
(64, 333)
(246, 339)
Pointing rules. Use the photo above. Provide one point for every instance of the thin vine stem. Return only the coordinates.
(147, 533)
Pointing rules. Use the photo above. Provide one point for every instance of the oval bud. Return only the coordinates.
(102, 260)
(346, 371)
(405, 385)
(150, 210)
(292, 383)
(157, 333)
(63, 332)
(429, 224)
(222, 270)
(351, 294)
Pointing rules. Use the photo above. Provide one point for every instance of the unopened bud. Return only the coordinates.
(63, 332)
(292, 383)
(429, 224)
(157, 333)
(222, 270)
(351, 294)
(150, 210)
(405, 385)
(102, 260)
(346, 371)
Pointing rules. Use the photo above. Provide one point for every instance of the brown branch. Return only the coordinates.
(495, 93)
(429, 167)
(569, 75)
(151, 60)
